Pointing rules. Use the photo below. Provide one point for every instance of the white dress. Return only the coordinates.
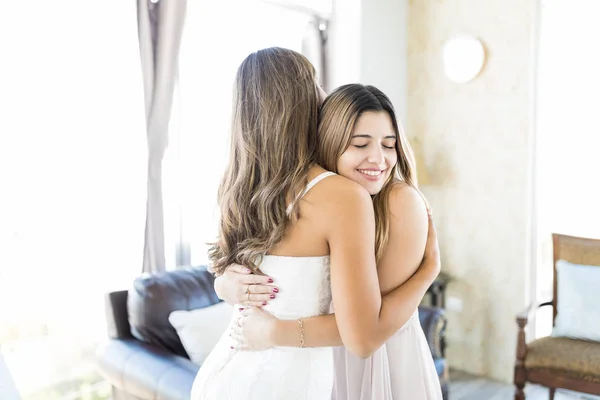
(279, 373)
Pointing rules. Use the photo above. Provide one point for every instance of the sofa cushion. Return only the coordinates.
(153, 297)
(138, 370)
(201, 329)
(570, 357)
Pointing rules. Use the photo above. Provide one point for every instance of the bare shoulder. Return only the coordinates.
(340, 198)
(339, 191)
(406, 201)
(337, 184)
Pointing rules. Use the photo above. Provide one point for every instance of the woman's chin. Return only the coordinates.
(372, 187)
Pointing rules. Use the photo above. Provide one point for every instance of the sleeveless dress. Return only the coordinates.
(279, 373)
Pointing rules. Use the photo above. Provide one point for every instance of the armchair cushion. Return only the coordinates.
(578, 314)
(570, 357)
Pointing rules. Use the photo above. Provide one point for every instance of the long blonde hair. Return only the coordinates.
(339, 115)
(273, 144)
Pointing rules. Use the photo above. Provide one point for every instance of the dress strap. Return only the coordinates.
(310, 185)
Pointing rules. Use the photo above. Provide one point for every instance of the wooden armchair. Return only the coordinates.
(557, 362)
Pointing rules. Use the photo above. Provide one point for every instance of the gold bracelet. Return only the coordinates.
(301, 333)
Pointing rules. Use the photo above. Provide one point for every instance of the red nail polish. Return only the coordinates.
(270, 280)
(275, 290)
(272, 296)
(231, 347)
(241, 308)
(264, 303)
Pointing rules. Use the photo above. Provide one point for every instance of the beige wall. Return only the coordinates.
(475, 140)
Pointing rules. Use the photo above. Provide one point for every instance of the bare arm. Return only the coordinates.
(404, 253)
(365, 321)
(406, 271)
(345, 219)
(355, 288)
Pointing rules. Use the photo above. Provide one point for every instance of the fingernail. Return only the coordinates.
(270, 280)
(264, 303)
(275, 290)
(241, 308)
(231, 347)
(247, 270)
(272, 296)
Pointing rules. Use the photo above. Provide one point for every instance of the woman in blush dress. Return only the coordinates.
(359, 138)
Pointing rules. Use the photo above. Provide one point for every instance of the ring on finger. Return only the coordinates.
(248, 292)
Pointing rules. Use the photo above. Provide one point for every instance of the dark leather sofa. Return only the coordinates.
(144, 358)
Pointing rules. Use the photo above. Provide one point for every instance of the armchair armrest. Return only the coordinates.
(523, 316)
(522, 319)
(146, 371)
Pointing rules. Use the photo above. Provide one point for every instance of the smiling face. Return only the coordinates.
(359, 137)
(371, 156)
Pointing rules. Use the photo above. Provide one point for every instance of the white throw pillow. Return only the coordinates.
(578, 310)
(201, 329)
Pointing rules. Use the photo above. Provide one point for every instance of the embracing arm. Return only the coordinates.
(363, 320)
(411, 236)
(322, 331)
(410, 262)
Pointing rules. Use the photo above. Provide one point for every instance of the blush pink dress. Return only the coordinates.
(401, 369)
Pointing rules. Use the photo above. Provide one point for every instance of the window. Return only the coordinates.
(73, 176)
(568, 132)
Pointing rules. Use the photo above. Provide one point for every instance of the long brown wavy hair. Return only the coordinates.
(339, 115)
(273, 144)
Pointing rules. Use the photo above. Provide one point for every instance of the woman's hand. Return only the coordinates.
(238, 285)
(254, 329)
(431, 259)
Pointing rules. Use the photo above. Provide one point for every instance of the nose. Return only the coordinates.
(376, 156)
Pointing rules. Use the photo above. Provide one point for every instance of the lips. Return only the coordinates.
(371, 174)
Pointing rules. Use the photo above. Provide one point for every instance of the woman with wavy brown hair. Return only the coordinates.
(288, 220)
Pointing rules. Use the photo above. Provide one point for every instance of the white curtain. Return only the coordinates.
(160, 25)
(314, 47)
(568, 131)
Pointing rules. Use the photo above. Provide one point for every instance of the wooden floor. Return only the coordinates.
(464, 386)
